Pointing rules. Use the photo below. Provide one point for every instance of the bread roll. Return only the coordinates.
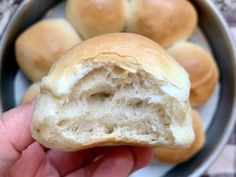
(30, 93)
(174, 156)
(42, 44)
(95, 17)
(164, 21)
(201, 68)
(114, 89)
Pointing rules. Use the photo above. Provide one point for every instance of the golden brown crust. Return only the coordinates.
(162, 21)
(32, 91)
(201, 68)
(166, 155)
(95, 17)
(42, 44)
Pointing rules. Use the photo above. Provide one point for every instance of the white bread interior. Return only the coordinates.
(115, 89)
(176, 156)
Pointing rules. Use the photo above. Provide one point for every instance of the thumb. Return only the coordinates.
(15, 135)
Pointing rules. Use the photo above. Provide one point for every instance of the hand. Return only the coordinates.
(21, 156)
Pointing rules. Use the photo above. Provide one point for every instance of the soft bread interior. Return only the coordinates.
(111, 104)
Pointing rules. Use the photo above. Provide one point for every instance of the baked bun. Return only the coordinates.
(201, 68)
(95, 17)
(174, 156)
(30, 93)
(114, 89)
(42, 44)
(164, 21)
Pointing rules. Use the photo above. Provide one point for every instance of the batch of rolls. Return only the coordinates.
(169, 23)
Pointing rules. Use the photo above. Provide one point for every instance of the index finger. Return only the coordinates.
(15, 135)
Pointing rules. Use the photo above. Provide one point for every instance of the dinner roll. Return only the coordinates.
(166, 155)
(95, 17)
(201, 68)
(114, 89)
(30, 93)
(162, 21)
(42, 44)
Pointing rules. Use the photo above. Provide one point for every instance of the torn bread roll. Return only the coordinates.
(201, 68)
(95, 17)
(30, 93)
(42, 44)
(114, 89)
(175, 156)
(164, 21)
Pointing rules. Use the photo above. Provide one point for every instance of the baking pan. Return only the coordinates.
(219, 38)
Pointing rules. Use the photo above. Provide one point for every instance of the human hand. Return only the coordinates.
(21, 156)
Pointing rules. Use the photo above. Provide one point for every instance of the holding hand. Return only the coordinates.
(21, 156)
